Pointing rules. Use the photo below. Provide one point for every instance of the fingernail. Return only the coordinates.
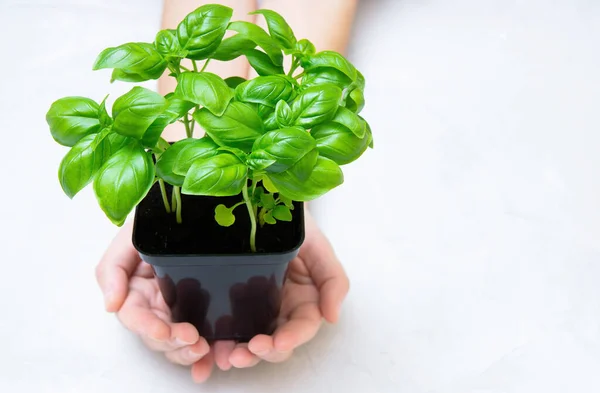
(191, 355)
(180, 343)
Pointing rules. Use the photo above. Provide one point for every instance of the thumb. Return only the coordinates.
(116, 266)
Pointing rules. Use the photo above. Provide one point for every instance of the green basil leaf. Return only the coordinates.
(234, 81)
(325, 176)
(137, 61)
(123, 181)
(278, 28)
(360, 80)
(136, 110)
(350, 120)
(284, 115)
(304, 47)
(270, 122)
(329, 59)
(268, 217)
(221, 175)
(262, 64)
(79, 165)
(260, 160)
(233, 47)
(266, 90)
(191, 152)
(355, 100)
(103, 116)
(235, 151)
(264, 110)
(282, 213)
(224, 216)
(176, 108)
(124, 76)
(287, 146)
(167, 44)
(286, 201)
(261, 38)
(338, 143)
(369, 133)
(72, 118)
(322, 76)
(239, 126)
(166, 163)
(316, 105)
(267, 201)
(99, 137)
(268, 184)
(206, 89)
(201, 32)
(115, 142)
(302, 169)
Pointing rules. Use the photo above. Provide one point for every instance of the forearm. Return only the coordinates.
(327, 23)
(173, 12)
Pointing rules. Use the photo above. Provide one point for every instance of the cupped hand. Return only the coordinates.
(131, 291)
(315, 288)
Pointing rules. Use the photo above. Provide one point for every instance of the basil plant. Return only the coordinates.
(274, 139)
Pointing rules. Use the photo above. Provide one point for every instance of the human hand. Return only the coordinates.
(315, 287)
(131, 291)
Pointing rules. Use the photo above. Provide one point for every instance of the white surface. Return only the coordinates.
(470, 234)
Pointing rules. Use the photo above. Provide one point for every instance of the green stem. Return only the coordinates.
(300, 75)
(252, 217)
(195, 65)
(184, 68)
(173, 200)
(293, 67)
(188, 129)
(178, 199)
(163, 191)
(205, 64)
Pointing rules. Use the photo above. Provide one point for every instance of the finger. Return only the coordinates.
(190, 354)
(241, 357)
(262, 346)
(182, 335)
(222, 350)
(202, 369)
(326, 271)
(143, 322)
(302, 326)
(117, 264)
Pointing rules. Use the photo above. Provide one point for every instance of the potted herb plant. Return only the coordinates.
(218, 217)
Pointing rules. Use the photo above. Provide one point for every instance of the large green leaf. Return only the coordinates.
(136, 110)
(284, 115)
(123, 181)
(176, 108)
(138, 61)
(355, 100)
(262, 64)
(329, 59)
(278, 28)
(206, 89)
(261, 38)
(233, 47)
(167, 44)
(325, 176)
(199, 149)
(286, 146)
(72, 118)
(351, 121)
(338, 143)
(166, 163)
(220, 175)
(239, 126)
(322, 76)
(201, 32)
(316, 105)
(80, 164)
(266, 90)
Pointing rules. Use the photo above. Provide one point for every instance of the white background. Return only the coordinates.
(471, 233)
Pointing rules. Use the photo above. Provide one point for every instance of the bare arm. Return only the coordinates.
(173, 12)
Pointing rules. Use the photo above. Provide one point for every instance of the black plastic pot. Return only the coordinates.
(207, 274)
